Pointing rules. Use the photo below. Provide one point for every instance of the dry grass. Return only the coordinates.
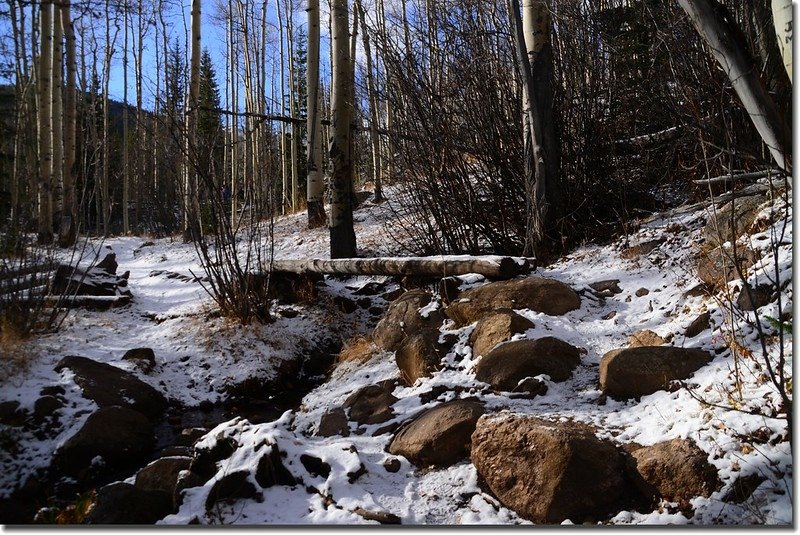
(15, 354)
(358, 350)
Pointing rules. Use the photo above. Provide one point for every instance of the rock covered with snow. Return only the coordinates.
(108, 385)
(539, 294)
(403, 318)
(118, 435)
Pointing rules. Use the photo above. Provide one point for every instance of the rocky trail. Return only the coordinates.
(626, 383)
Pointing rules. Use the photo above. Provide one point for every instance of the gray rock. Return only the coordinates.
(698, 325)
(232, 487)
(732, 220)
(108, 385)
(119, 435)
(334, 422)
(123, 503)
(143, 357)
(371, 404)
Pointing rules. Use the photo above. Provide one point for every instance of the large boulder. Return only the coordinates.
(508, 364)
(162, 474)
(638, 371)
(403, 318)
(108, 385)
(676, 470)
(753, 298)
(119, 435)
(539, 294)
(123, 503)
(717, 267)
(439, 436)
(419, 356)
(549, 472)
(732, 220)
(371, 404)
(495, 328)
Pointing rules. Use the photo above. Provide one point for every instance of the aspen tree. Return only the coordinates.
(192, 227)
(314, 180)
(735, 61)
(45, 214)
(373, 108)
(69, 222)
(342, 235)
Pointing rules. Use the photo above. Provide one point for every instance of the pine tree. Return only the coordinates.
(210, 132)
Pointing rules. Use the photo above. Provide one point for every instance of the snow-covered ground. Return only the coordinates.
(198, 355)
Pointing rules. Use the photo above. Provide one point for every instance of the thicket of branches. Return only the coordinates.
(642, 109)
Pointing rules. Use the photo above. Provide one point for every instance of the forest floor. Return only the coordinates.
(200, 356)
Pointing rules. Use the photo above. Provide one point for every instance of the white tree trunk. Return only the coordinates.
(342, 235)
(57, 111)
(45, 217)
(735, 62)
(314, 180)
(782, 17)
(191, 203)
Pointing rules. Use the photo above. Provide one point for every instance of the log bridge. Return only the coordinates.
(491, 267)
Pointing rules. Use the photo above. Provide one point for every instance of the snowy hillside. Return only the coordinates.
(729, 408)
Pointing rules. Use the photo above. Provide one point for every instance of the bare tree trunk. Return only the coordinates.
(534, 157)
(45, 214)
(285, 186)
(536, 26)
(292, 105)
(342, 235)
(717, 31)
(782, 19)
(126, 175)
(69, 223)
(373, 109)
(58, 113)
(314, 180)
(191, 223)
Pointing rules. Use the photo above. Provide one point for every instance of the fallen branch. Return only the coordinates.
(493, 267)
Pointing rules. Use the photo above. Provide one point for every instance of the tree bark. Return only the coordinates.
(535, 170)
(494, 267)
(45, 214)
(373, 109)
(716, 30)
(782, 19)
(69, 219)
(314, 179)
(342, 235)
(57, 111)
(192, 227)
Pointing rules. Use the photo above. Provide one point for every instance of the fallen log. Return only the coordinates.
(492, 267)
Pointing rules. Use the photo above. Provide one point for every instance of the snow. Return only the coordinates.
(199, 355)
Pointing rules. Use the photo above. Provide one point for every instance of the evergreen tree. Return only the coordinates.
(210, 132)
(301, 91)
